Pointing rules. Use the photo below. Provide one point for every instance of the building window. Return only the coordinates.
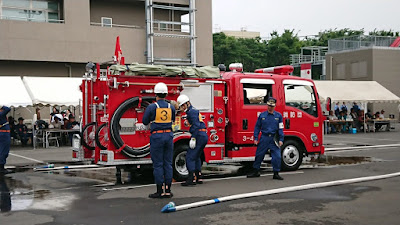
(31, 10)
(106, 22)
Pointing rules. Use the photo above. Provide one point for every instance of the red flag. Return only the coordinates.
(118, 51)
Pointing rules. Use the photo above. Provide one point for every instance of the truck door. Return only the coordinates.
(254, 93)
(300, 114)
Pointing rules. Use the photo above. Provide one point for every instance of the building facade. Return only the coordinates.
(58, 37)
(372, 63)
(241, 34)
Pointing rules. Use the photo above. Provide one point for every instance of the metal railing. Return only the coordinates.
(116, 25)
(296, 59)
(357, 42)
(30, 19)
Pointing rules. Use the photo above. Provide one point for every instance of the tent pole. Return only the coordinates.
(365, 108)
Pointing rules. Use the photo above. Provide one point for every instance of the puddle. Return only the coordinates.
(15, 195)
(105, 174)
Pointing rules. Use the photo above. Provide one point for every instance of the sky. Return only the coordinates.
(306, 17)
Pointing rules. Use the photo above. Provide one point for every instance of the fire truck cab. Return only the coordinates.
(113, 133)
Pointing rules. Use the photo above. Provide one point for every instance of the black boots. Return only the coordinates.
(276, 176)
(254, 173)
(3, 171)
(199, 177)
(168, 193)
(189, 180)
(158, 194)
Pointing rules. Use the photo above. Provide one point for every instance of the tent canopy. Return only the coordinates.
(13, 92)
(355, 91)
(62, 91)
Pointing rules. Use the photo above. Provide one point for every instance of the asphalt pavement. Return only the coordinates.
(88, 197)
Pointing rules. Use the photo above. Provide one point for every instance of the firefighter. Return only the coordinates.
(269, 123)
(161, 114)
(5, 139)
(197, 142)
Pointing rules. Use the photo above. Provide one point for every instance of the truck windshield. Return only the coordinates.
(301, 97)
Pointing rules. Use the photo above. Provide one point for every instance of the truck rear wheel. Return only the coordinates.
(292, 155)
(179, 162)
(102, 138)
(88, 136)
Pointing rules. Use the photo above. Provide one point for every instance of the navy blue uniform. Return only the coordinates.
(5, 139)
(162, 115)
(197, 129)
(268, 124)
(22, 131)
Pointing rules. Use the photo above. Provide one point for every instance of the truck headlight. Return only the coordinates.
(314, 137)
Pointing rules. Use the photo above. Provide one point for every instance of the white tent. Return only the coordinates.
(354, 91)
(13, 92)
(54, 90)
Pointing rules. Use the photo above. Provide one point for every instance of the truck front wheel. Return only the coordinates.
(292, 155)
(179, 162)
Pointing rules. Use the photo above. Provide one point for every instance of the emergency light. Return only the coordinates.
(281, 70)
(236, 67)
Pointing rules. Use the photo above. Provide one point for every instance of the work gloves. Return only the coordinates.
(192, 143)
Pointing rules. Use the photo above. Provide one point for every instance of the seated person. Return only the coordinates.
(65, 124)
(331, 118)
(11, 122)
(378, 117)
(57, 123)
(343, 116)
(382, 116)
(368, 115)
(356, 122)
(74, 125)
(22, 131)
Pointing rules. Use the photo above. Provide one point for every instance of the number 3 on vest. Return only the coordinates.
(163, 115)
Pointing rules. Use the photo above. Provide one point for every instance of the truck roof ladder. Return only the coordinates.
(151, 36)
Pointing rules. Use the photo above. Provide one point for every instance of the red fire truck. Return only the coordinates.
(113, 105)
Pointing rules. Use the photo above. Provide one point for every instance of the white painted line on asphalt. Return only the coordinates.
(341, 137)
(35, 160)
(127, 188)
(359, 150)
(206, 180)
(172, 208)
(361, 147)
(103, 185)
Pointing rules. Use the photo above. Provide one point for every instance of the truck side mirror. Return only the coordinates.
(328, 104)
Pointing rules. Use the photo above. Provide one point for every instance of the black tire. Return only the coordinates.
(90, 146)
(97, 137)
(179, 162)
(129, 151)
(292, 155)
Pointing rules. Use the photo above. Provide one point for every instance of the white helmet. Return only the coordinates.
(182, 99)
(161, 88)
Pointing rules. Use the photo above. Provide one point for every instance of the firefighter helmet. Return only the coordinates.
(161, 88)
(182, 99)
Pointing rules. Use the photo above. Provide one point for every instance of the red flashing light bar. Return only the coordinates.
(281, 70)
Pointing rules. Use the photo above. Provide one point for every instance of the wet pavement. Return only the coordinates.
(89, 196)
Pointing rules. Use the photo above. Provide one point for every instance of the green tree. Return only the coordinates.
(279, 47)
